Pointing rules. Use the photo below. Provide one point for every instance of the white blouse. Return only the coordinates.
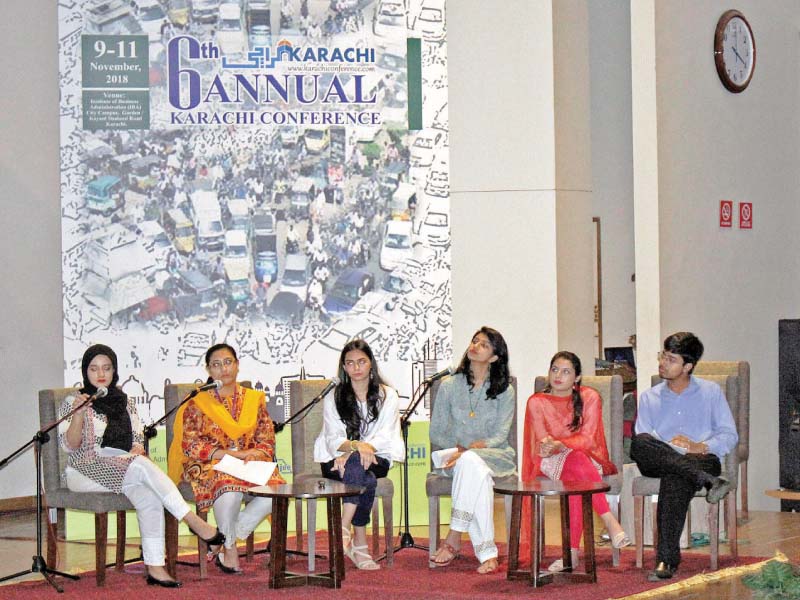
(383, 434)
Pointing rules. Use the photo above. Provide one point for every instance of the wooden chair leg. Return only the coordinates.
(433, 527)
(615, 552)
(713, 533)
(298, 524)
(388, 525)
(171, 539)
(202, 550)
(119, 564)
(376, 527)
(311, 506)
(743, 486)
(52, 541)
(507, 506)
(249, 546)
(638, 526)
(100, 544)
(654, 522)
(732, 525)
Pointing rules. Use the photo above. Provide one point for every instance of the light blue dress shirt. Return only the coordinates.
(700, 412)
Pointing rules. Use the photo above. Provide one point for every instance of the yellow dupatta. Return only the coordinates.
(216, 411)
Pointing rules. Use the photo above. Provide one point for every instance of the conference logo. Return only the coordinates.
(281, 79)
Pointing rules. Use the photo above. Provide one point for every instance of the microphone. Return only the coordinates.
(214, 385)
(300, 413)
(101, 392)
(439, 375)
(331, 384)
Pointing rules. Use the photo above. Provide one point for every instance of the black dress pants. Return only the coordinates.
(682, 475)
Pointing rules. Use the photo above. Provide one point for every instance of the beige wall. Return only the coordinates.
(731, 286)
(30, 295)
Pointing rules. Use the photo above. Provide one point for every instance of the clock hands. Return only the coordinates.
(737, 55)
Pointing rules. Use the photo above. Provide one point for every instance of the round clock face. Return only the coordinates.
(734, 50)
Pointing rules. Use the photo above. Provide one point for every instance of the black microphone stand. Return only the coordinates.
(406, 539)
(150, 432)
(39, 565)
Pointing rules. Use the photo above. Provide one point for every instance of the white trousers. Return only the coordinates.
(236, 522)
(150, 491)
(473, 504)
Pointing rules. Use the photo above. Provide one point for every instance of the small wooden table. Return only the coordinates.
(537, 490)
(332, 492)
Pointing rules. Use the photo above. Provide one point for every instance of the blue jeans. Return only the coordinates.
(355, 474)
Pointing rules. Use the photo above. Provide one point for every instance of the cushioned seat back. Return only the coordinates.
(306, 430)
(740, 369)
(54, 459)
(512, 432)
(610, 390)
(174, 393)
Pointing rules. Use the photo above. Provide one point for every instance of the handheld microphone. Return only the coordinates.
(439, 375)
(216, 384)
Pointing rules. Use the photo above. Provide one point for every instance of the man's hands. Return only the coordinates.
(692, 447)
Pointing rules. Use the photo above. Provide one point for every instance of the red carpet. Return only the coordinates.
(409, 578)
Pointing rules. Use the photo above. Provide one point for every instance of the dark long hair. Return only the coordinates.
(214, 348)
(499, 376)
(345, 397)
(577, 400)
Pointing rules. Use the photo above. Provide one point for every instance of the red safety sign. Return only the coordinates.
(726, 213)
(745, 215)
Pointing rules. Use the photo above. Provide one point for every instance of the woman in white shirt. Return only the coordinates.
(360, 439)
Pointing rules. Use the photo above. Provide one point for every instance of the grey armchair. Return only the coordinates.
(174, 393)
(741, 369)
(437, 485)
(610, 390)
(57, 495)
(649, 486)
(304, 433)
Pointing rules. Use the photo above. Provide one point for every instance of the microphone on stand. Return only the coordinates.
(331, 384)
(214, 385)
(101, 392)
(439, 375)
(296, 416)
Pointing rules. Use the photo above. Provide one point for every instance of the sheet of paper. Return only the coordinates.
(255, 471)
(440, 457)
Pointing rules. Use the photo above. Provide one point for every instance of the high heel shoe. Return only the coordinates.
(620, 540)
(216, 540)
(225, 569)
(166, 583)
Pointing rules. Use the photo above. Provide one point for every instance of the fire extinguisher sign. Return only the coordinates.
(726, 213)
(745, 215)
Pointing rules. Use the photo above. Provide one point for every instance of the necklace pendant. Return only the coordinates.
(472, 413)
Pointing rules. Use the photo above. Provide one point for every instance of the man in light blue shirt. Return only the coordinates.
(683, 428)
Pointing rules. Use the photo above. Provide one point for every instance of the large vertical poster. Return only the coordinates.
(243, 171)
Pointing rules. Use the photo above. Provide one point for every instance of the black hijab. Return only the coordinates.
(119, 433)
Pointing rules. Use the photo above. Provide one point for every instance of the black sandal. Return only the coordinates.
(216, 540)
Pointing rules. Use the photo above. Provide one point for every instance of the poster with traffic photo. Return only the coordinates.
(243, 171)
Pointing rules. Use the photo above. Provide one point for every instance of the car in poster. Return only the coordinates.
(296, 275)
(178, 12)
(204, 11)
(389, 19)
(197, 298)
(230, 30)
(286, 307)
(396, 245)
(180, 227)
(104, 194)
(348, 289)
(429, 22)
(424, 147)
(151, 17)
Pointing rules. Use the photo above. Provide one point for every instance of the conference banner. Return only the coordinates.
(269, 173)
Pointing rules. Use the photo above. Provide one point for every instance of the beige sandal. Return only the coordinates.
(448, 548)
(487, 567)
(361, 558)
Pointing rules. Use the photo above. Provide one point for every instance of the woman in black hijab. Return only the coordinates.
(103, 440)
